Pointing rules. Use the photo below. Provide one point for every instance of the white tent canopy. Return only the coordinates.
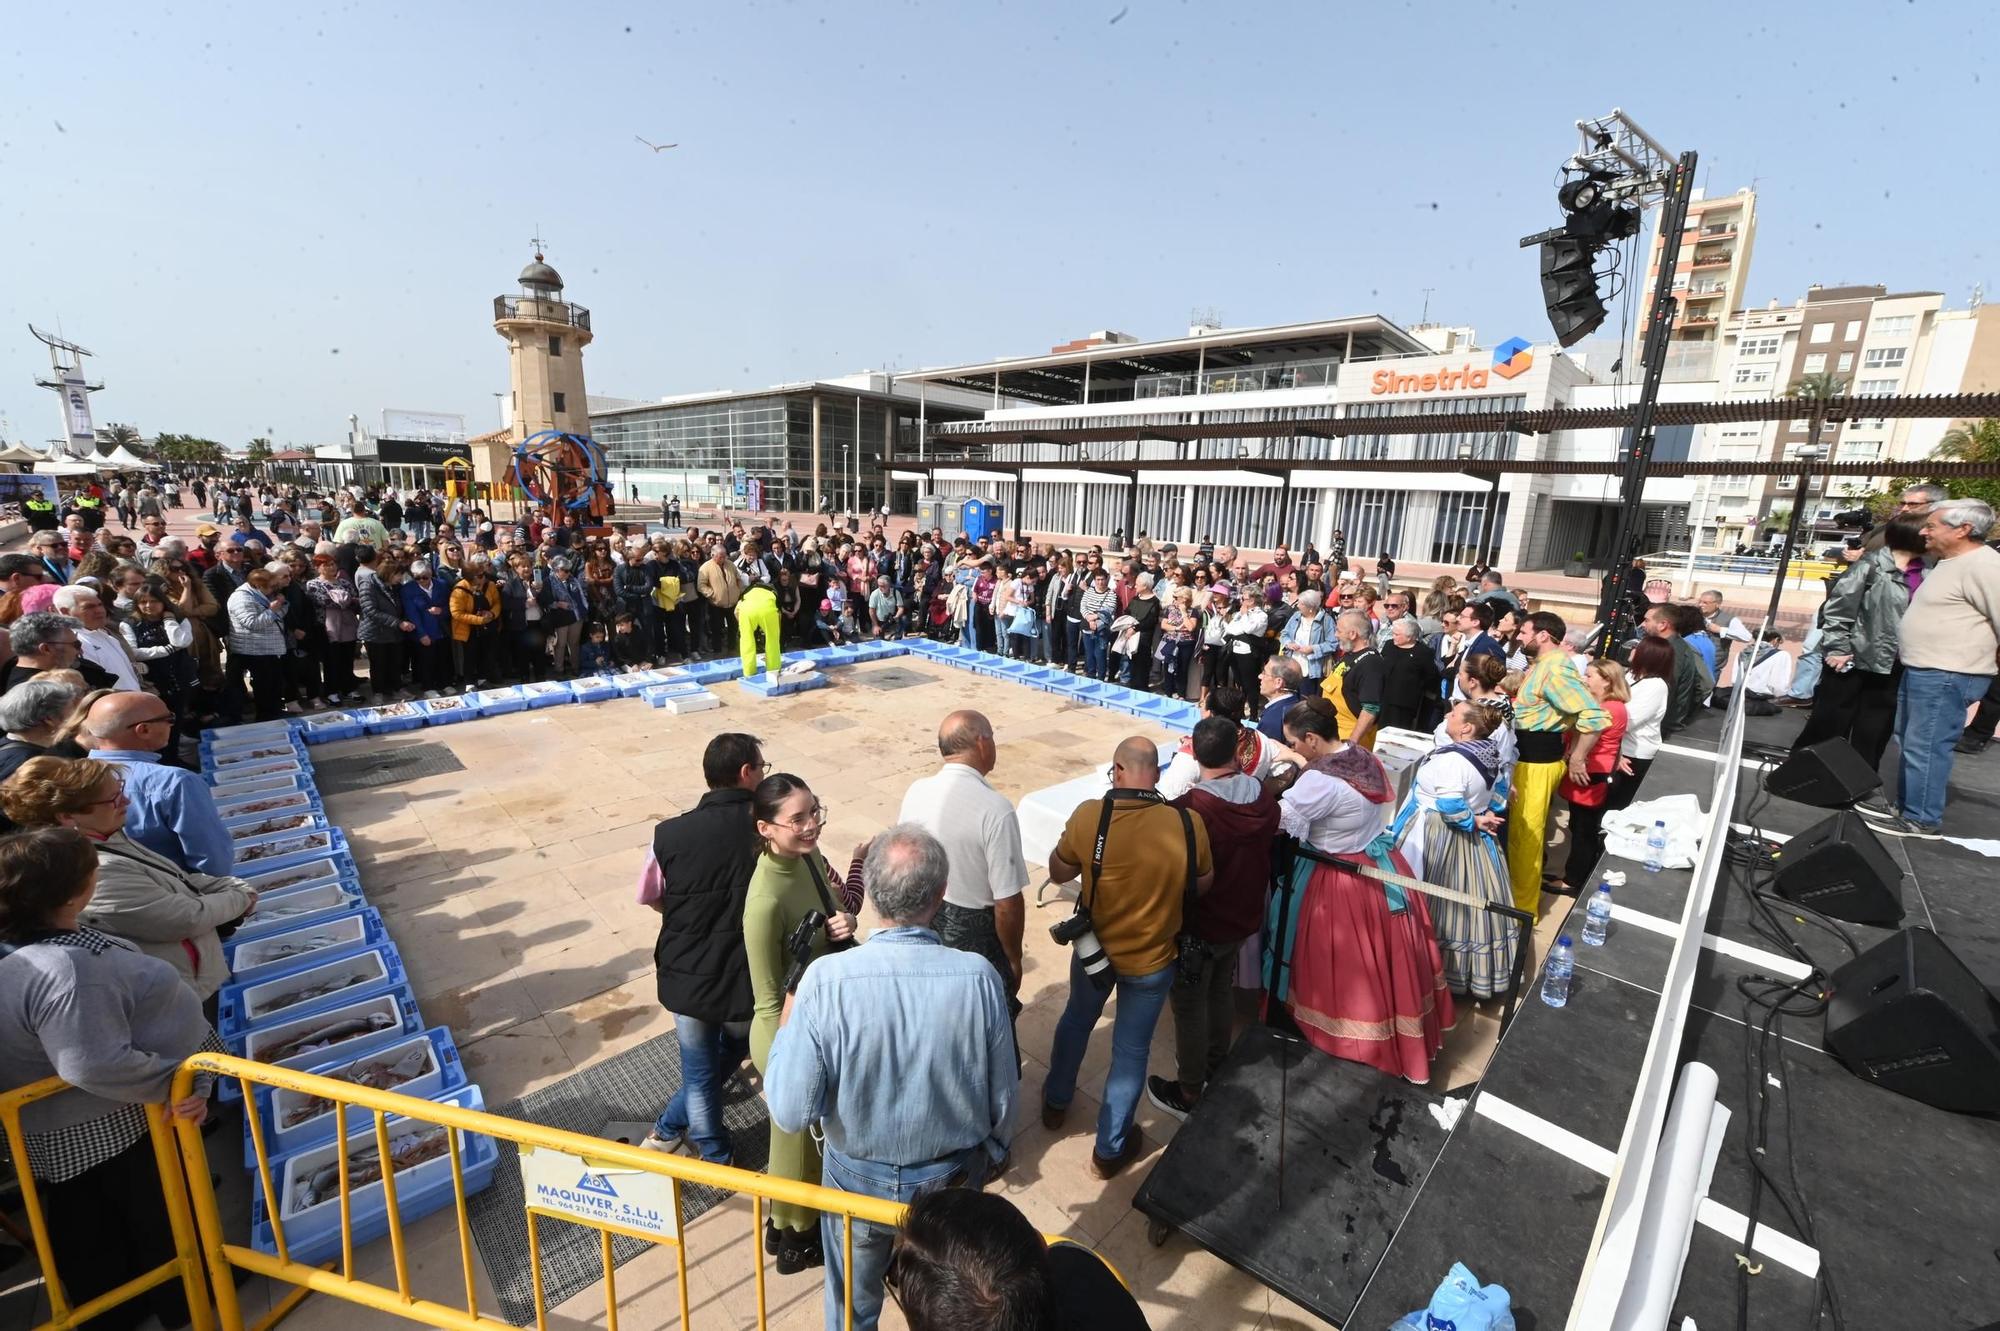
(122, 458)
(65, 467)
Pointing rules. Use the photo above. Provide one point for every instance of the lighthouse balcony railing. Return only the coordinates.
(538, 308)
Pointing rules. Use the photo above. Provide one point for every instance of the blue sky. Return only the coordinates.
(265, 217)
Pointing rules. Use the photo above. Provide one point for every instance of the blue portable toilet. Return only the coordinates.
(982, 518)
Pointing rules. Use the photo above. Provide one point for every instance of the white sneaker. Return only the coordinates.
(667, 1145)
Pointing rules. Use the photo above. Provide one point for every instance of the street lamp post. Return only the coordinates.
(1808, 455)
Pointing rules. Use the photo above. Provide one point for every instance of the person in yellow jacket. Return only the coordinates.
(475, 615)
(757, 612)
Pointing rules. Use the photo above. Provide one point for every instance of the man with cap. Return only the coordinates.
(203, 554)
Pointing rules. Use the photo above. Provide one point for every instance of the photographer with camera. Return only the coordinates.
(795, 912)
(902, 1051)
(1139, 859)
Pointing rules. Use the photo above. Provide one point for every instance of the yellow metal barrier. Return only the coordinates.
(220, 1255)
(184, 1265)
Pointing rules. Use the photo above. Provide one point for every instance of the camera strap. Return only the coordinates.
(1104, 833)
(826, 901)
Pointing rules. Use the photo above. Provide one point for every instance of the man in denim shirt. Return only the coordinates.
(903, 1052)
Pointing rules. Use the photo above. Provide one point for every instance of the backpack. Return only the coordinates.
(667, 595)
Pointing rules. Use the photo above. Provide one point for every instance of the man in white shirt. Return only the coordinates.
(101, 645)
(1771, 675)
(983, 908)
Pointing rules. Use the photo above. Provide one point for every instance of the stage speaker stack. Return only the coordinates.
(1839, 867)
(1829, 774)
(1908, 1016)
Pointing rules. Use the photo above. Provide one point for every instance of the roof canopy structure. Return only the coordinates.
(122, 458)
(1111, 370)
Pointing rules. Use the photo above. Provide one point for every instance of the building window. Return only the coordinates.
(1753, 374)
(1461, 519)
(555, 344)
(1894, 325)
(1846, 361)
(1883, 358)
(1820, 333)
(1876, 387)
(559, 402)
(1765, 345)
(1853, 333)
(1816, 363)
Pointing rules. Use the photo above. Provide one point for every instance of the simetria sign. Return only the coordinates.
(1431, 381)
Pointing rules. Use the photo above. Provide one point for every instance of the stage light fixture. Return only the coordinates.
(1569, 289)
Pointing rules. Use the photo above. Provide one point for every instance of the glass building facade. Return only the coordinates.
(698, 446)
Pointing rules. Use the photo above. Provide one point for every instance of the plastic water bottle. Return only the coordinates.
(1656, 847)
(1555, 975)
(1597, 916)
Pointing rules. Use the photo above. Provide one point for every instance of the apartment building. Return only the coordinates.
(1710, 276)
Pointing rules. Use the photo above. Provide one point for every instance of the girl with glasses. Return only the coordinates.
(792, 880)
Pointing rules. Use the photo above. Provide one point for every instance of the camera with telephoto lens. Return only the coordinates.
(800, 944)
(1080, 933)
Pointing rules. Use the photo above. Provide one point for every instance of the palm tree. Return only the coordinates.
(116, 436)
(1972, 441)
(258, 452)
(1818, 387)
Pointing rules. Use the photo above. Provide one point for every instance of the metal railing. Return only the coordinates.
(377, 1107)
(184, 1265)
(541, 309)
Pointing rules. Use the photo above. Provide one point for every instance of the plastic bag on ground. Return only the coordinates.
(1461, 1303)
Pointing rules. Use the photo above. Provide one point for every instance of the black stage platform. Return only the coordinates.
(1901, 1194)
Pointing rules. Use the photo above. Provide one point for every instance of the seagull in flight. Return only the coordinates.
(657, 147)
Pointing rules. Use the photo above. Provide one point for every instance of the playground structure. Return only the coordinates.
(565, 474)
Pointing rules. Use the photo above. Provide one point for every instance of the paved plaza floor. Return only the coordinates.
(509, 888)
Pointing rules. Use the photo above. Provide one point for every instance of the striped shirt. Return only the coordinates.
(1553, 697)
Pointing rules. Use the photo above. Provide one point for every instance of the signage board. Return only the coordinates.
(576, 1187)
(421, 424)
(418, 452)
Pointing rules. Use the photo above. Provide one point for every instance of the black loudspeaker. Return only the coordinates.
(1840, 868)
(1829, 774)
(1908, 1016)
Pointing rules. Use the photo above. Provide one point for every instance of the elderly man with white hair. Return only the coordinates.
(902, 1051)
(1409, 676)
(1307, 639)
(1949, 640)
(99, 642)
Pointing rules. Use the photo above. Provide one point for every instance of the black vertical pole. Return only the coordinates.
(1807, 457)
(1132, 512)
(1020, 483)
(1611, 611)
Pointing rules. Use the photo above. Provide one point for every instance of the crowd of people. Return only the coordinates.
(117, 883)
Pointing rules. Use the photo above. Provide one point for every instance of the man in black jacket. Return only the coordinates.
(702, 861)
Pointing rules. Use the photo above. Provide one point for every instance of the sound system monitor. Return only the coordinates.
(1908, 1016)
(1829, 774)
(1839, 867)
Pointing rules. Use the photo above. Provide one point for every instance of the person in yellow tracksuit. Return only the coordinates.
(757, 612)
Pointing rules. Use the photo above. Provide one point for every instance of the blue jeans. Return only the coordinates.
(710, 1051)
(872, 1243)
(1096, 646)
(968, 634)
(1140, 998)
(1930, 716)
(1805, 677)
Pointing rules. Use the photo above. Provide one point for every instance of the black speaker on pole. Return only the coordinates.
(1840, 868)
(1829, 774)
(1908, 1016)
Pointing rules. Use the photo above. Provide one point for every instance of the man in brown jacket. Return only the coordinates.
(720, 584)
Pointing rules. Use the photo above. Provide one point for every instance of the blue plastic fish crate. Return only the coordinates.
(224, 774)
(924, 646)
(244, 809)
(281, 852)
(1181, 716)
(288, 746)
(498, 701)
(376, 722)
(769, 686)
(445, 1076)
(330, 728)
(347, 933)
(380, 966)
(441, 712)
(657, 694)
(632, 683)
(715, 672)
(398, 1005)
(593, 688)
(552, 693)
(227, 735)
(269, 783)
(313, 1235)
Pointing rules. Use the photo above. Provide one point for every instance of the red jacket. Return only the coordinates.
(1600, 762)
(1239, 840)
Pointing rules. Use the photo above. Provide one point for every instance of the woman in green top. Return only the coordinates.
(792, 878)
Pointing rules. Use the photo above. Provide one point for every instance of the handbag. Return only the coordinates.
(1024, 622)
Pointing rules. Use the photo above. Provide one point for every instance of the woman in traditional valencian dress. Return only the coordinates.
(1445, 830)
(1355, 959)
